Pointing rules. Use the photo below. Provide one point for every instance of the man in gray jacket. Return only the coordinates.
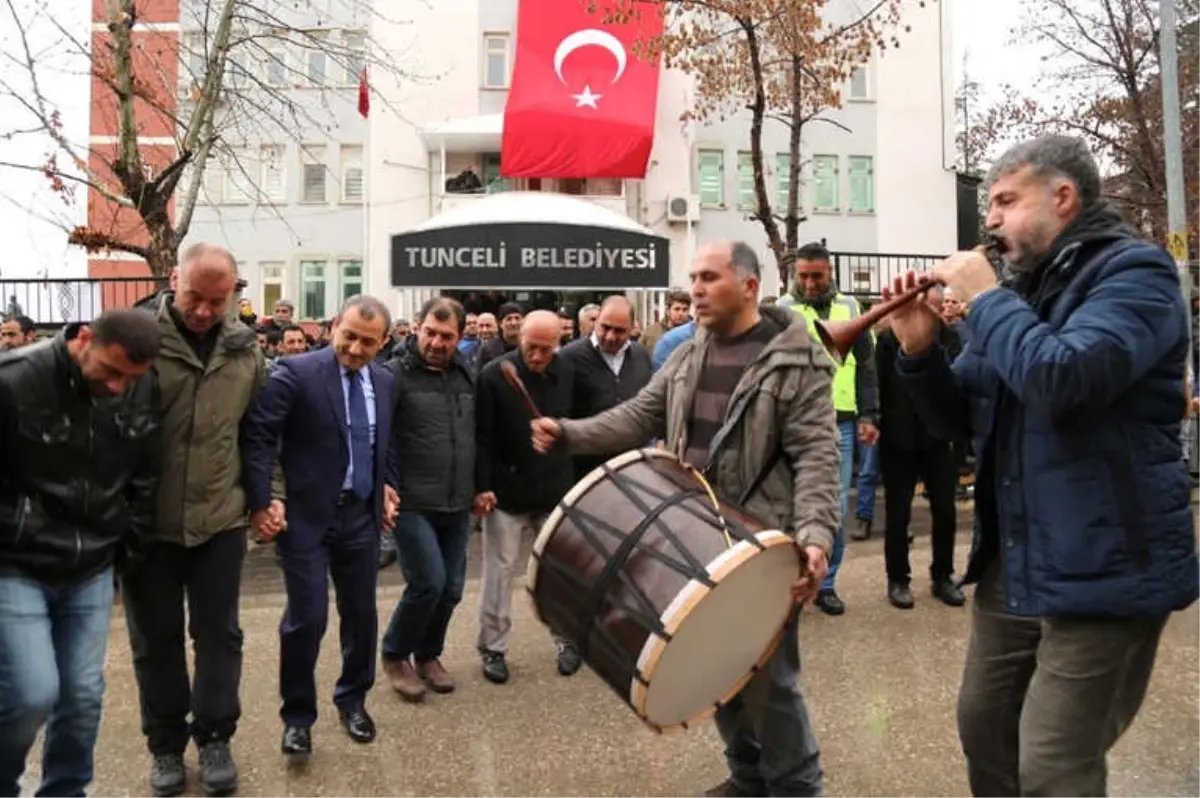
(748, 400)
(435, 458)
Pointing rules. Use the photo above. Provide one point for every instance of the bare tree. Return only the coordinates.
(1102, 69)
(232, 84)
(783, 61)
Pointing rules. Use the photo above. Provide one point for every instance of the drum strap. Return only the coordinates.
(731, 421)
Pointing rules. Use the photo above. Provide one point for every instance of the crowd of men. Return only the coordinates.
(152, 442)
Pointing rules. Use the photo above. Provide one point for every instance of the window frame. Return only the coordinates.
(868, 85)
(280, 280)
(746, 201)
(485, 61)
(315, 156)
(268, 155)
(835, 181)
(870, 164)
(783, 169)
(302, 294)
(314, 49)
(343, 197)
(719, 154)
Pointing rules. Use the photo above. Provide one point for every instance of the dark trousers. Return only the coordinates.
(901, 470)
(349, 552)
(1043, 700)
(432, 549)
(208, 577)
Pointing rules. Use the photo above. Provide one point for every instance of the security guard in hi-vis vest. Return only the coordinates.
(855, 395)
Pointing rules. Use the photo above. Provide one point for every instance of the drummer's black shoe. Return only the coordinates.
(731, 789)
(945, 591)
(495, 669)
(829, 603)
(568, 658)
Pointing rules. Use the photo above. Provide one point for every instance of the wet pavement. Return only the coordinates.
(880, 684)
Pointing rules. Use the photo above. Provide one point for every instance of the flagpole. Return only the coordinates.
(368, 277)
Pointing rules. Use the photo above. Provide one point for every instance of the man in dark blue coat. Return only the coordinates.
(1072, 386)
(328, 416)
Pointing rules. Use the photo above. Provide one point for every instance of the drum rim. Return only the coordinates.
(557, 515)
(655, 646)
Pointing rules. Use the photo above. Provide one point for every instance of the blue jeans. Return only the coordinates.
(769, 742)
(432, 549)
(848, 434)
(52, 644)
(868, 481)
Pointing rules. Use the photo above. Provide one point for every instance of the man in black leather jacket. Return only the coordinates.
(79, 431)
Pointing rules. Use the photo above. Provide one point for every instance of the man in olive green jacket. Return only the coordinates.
(748, 399)
(209, 370)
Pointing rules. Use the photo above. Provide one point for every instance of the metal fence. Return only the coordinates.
(62, 301)
(864, 274)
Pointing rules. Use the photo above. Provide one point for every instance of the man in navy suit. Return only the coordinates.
(327, 416)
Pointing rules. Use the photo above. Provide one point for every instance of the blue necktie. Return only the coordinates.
(360, 439)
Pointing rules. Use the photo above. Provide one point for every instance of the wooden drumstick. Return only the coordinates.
(514, 379)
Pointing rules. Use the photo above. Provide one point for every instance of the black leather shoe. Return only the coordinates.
(567, 658)
(495, 669)
(358, 725)
(900, 596)
(829, 603)
(945, 591)
(297, 741)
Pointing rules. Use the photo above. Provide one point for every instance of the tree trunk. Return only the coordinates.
(758, 112)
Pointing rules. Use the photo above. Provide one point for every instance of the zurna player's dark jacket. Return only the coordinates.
(505, 463)
(434, 433)
(80, 473)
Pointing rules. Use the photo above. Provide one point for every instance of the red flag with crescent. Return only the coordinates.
(581, 103)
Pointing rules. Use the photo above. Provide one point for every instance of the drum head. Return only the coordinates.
(718, 636)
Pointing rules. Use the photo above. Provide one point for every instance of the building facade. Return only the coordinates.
(876, 178)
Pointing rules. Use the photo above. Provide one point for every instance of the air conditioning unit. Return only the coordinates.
(682, 209)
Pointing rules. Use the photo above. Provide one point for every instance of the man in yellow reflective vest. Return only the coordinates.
(855, 395)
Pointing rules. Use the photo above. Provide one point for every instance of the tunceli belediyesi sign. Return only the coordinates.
(529, 255)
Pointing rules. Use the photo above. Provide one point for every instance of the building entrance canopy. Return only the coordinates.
(530, 240)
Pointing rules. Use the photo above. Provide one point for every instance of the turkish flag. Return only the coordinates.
(581, 104)
(364, 94)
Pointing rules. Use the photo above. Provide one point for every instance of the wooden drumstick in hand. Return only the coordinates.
(514, 379)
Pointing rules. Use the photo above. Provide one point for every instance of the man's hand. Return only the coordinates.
(816, 566)
(391, 507)
(1194, 405)
(966, 274)
(270, 522)
(484, 503)
(915, 324)
(546, 432)
(868, 433)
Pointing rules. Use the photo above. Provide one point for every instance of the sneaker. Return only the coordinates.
(567, 657)
(495, 669)
(861, 529)
(829, 603)
(167, 775)
(218, 772)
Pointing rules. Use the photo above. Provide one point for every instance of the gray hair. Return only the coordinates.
(368, 307)
(744, 261)
(1063, 157)
(588, 308)
(199, 250)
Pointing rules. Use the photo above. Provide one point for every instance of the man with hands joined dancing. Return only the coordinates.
(749, 401)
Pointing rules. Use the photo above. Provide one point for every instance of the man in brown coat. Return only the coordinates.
(749, 401)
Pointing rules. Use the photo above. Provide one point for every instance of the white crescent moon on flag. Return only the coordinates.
(590, 37)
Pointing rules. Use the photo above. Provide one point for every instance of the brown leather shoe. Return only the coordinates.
(404, 679)
(438, 679)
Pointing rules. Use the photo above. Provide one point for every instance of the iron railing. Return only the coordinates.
(864, 274)
(57, 301)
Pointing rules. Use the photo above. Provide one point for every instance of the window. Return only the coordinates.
(859, 90)
(783, 174)
(862, 184)
(490, 174)
(356, 55)
(196, 58)
(495, 60)
(312, 289)
(239, 178)
(271, 178)
(313, 168)
(270, 277)
(351, 274)
(825, 183)
(352, 173)
(317, 61)
(276, 63)
(746, 200)
(711, 178)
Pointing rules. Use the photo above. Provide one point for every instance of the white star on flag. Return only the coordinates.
(586, 98)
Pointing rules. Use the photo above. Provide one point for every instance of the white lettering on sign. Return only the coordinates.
(457, 257)
(473, 258)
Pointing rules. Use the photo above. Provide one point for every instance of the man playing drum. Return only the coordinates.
(748, 401)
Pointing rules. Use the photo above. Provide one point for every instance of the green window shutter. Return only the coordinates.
(711, 178)
(783, 173)
(862, 184)
(825, 183)
(746, 200)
